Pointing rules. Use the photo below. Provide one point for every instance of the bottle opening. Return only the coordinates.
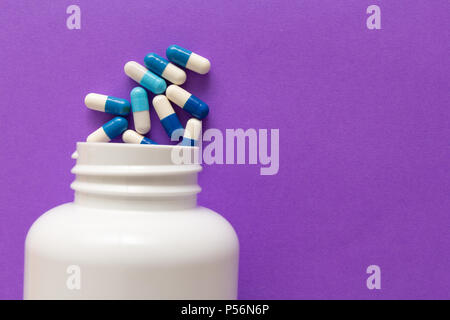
(109, 173)
(96, 153)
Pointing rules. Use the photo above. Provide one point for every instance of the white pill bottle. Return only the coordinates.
(134, 231)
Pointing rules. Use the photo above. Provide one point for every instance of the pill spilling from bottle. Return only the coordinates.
(152, 78)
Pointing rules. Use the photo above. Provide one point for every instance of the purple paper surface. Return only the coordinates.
(363, 117)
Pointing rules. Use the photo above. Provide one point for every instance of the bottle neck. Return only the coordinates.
(133, 177)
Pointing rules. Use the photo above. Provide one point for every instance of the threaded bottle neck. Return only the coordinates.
(133, 177)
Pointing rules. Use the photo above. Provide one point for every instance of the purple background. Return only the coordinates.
(363, 116)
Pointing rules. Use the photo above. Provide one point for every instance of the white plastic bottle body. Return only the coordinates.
(130, 235)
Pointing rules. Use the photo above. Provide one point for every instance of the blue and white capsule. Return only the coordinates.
(188, 59)
(110, 130)
(144, 77)
(192, 133)
(167, 116)
(187, 101)
(141, 110)
(164, 68)
(108, 104)
(131, 136)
